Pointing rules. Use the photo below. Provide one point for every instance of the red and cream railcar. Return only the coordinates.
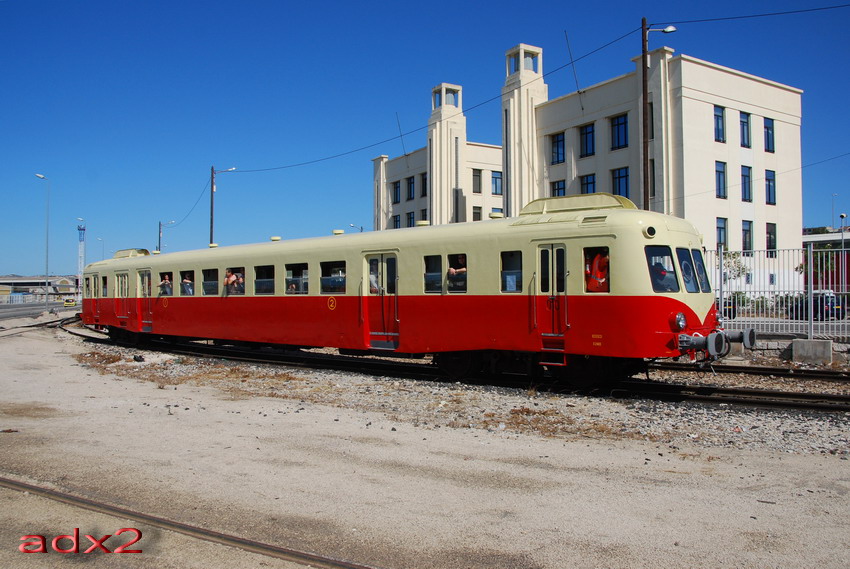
(570, 281)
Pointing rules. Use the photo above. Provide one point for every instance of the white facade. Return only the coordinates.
(724, 150)
(448, 181)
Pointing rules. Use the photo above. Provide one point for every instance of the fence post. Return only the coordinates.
(810, 276)
(720, 283)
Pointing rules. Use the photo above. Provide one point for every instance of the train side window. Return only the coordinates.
(103, 290)
(662, 271)
(234, 280)
(596, 270)
(333, 277)
(297, 276)
(122, 286)
(433, 273)
(686, 265)
(511, 271)
(702, 274)
(187, 283)
(87, 291)
(545, 270)
(166, 284)
(210, 282)
(457, 273)
(264, 279)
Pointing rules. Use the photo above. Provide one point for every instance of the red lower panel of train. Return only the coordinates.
(616, 326)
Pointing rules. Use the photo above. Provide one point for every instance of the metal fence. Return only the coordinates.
(792, 292)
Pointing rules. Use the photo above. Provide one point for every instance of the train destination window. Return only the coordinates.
(686, 265)
(511, 271)
(166, 284)
(333, 276)
(702, 274)
(296, 278)
(187, 283)
(433, 273)
(457, 273)
(596, 277)
(210, 284)
(662, 271)
(264, 279)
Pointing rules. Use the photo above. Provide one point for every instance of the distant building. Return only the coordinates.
(724, 150)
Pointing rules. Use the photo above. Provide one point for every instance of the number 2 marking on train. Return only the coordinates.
(331, 303)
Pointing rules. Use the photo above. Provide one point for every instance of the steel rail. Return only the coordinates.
(253, 546)
(736, 395)
(809, 374)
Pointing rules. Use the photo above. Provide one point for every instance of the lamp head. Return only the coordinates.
(42, 176)
(669, 29)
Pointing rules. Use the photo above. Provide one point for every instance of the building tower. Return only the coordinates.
(524, 90)
(446, 149)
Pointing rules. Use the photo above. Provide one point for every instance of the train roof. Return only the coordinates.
(579, 212)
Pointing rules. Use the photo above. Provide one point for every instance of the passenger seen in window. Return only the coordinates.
(596, 269)
(165, 286)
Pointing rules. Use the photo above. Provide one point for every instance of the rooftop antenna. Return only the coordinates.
(573, 65)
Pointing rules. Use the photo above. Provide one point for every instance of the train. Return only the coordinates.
(578, 287)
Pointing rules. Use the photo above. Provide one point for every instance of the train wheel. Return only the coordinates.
(458, 365)
(585, 372)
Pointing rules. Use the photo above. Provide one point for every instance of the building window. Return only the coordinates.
(423, 185)
(557, 148)
(652, 177)
(588, 184)
(746, 183)
(770, 187)
(396, 192)
(476, 181)
(620, 181)
(497, 183)
(497, 210)
(747, 237)
(396, 221)
(619, 132)
(423, 215)
(719, 124)
(586, 140)
(476, 213)
(559, 188)
(770, 242)
(745, 129)
(720, 179)
(768, 135)
(451, 97)
(721, 233)
(411, 220)
(411, 190)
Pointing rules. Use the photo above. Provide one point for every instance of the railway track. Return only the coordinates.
(807, 374)
(621, 389)
(733, 395)
(267, 549)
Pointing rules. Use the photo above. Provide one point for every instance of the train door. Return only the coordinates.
(145, 300)
(552, 268)
(122, 293)
(93, 293)
(382, 301)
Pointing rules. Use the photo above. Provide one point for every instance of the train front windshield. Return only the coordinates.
(663, 269)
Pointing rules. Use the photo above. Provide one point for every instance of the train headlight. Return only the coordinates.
(680, 321)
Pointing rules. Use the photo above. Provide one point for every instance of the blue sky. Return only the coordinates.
(125, 105)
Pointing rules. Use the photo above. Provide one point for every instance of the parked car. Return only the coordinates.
(69, 302)
(825, 306)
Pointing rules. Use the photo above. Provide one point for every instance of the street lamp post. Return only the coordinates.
(81, 257)
(213, 172)
(46, 241)
(159, 240)
(360, 227)
(644, 61)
